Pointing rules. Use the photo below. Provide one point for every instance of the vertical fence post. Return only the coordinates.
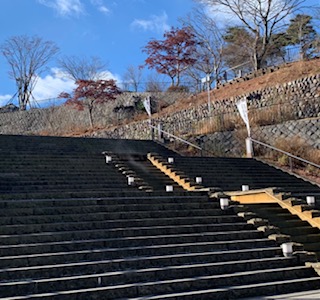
(290, 164)
(160, 132)
(249, 147)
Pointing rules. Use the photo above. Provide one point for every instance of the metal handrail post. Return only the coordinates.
(176, 138)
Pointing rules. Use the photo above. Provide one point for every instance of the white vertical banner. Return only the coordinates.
(147, 105)
(243, 110)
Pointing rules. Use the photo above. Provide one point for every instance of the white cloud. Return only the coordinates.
(52, 85)
(4, 99)
(108, 75)
(48, 88)
(154, 23)
(65, 7)
(100, 6)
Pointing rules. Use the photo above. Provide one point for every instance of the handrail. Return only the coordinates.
(286, 153)
(176, 137)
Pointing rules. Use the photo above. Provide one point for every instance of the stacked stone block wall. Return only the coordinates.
(301, 97)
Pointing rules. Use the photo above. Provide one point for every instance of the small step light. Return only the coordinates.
(169, 188)
(245, 188)
(108, 159)
(198, 179)
(130, 180)
(224, 203)
(287, 249)
(311, 200)
(170, 160)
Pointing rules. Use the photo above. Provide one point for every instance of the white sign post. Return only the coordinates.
(243, 110)
(147, 105)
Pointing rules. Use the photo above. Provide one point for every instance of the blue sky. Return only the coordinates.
(114, 30)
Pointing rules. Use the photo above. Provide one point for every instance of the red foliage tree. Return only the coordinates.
(89, 93)
(173, 55)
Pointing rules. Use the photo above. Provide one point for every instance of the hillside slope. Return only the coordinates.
(286, 73)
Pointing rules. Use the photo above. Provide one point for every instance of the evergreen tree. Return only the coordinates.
(301, 32)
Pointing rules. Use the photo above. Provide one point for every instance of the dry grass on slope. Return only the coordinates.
(286, 73)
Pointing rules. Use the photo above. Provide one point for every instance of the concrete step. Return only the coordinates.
(45, 218)
(94, 233)
(136, 240)
(100, 207)
(122, 264)
(62, 228)
(69, 194)
(142, 198)
(297, 231)
(19, 257)
(315, 238)
(149, 283)
(63, 247)
(188, 288)
(101, 217)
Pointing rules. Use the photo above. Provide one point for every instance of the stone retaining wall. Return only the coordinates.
(301, 98)
(231, 143)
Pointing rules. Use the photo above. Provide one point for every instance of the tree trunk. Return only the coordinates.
(90, 117)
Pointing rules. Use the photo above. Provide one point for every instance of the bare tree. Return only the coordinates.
(82, 68)
(27, 57)
(209, 49)
(263, 18)
(132, 77)
(155, 83)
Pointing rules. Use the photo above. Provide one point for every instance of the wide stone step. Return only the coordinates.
(69, 194)
(41, 166)
(93, 288)
(315, 238)
(101, 217)
(42, 237)
(109, 216)
(36, 249)
(64, 171)
(110, 227)
(276, 288)
(253, 290)
(133, 240)
(122, 264)
(297, 231)
(19, 257)
(143, 198)
(100, 207)
(64, 187)
(60, 179)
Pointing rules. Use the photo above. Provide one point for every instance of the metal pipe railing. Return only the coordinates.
(176, 138)
(286, 153)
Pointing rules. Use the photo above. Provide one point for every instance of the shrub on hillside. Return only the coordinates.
(298, 147)
(178, 89)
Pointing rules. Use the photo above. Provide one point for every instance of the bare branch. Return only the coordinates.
(82, 68)
(27, 57)
(263, 18)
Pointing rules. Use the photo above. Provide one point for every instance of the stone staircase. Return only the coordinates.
(51, 167)
(299, 231)
(160, 247)
(229, 174)
(72, 228)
